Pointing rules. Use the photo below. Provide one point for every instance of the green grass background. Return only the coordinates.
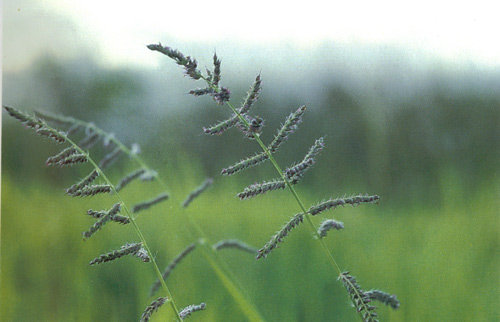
(441, 260)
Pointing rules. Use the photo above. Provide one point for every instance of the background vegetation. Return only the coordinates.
(429, 148)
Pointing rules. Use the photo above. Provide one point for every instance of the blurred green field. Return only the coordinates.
(441, 260)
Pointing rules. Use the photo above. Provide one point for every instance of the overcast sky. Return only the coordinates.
(116, 31)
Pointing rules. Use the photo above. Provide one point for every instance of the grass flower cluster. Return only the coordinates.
(66, 130)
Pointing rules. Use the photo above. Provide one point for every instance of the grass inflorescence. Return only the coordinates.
(67, 131)
(251, 126)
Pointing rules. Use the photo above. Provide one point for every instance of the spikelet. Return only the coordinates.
(92, 190)
(216, 75)
(296, 172)
(327, 225)
(27, 120)
(360, 299)
(127, 249)
(384, 297)
(129, 178)
(61, 156)
(278, 237)
(261, 188)
(57, 136)
(114, 214)
(334, 203)
(73, 159)
(290, 125)
(246, 163)
(189, 64)
(171, 266)
(252, 96)
(146, 204)
(234, 243)
(196, 192)
(153, 307)
(190, 309)
(83, 183)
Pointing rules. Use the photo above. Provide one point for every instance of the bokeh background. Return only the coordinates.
(407, 97)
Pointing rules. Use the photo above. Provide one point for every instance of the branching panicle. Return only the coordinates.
(110, 158)
(92, 190)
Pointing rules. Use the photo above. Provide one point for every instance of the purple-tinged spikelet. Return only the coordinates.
(222, 126)
(327, 225)
(83, 183)
(57, 136)
(146, 204)
(290, 125)
(278, 237)
(252, 96)
(261, 188)
(92, 190)
(384, 297)
(190, 309)
(189, 64)
(255, 125)
(61, 155)
(216, 75)
(27, 120)
(153, 307)
(334, 203)
(110, 158)
(97, 226)
(360, 299)
(171, 266)
(73, 159)
(198, 191)
(127, 249)
(129, 178)
(222, 96)
(202, 91)
(234, 243)
(296, 172)
(113, 212)
(246, 163)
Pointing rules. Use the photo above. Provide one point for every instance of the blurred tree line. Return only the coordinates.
(403, 148)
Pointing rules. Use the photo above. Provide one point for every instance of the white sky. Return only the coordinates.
(454, 30)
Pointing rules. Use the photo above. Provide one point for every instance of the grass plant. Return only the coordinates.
(120, 212)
